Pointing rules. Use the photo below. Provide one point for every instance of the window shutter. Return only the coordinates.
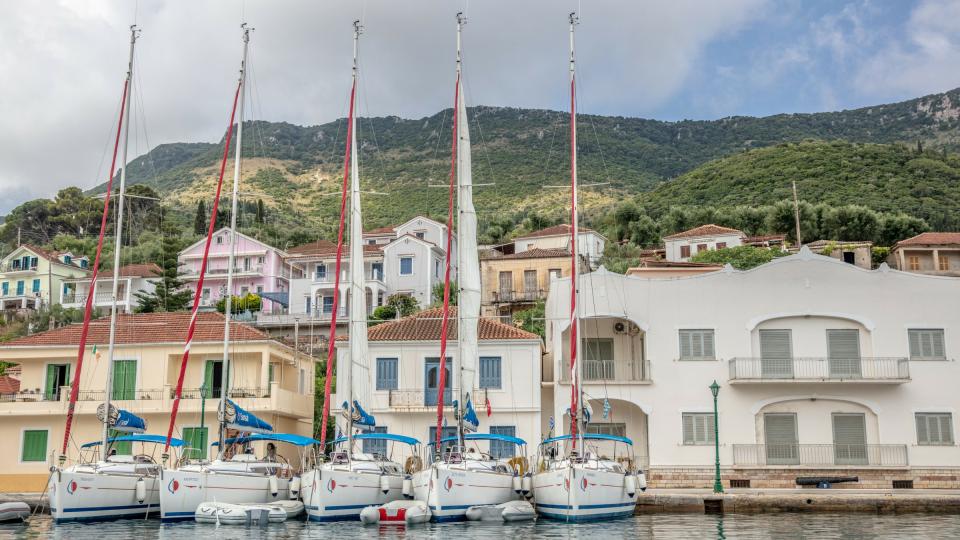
(850, 439)
(939, 351)
(34, 445)
(776, 354)
(387, 374)
(51, 386)
(708, 351)
(915, 347)
(688, 429)
(685, 346)
(709, 428)
(843, 352)
(946, 428)
(696, 344)
(923, 436)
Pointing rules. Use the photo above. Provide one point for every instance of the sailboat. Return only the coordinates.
(241, 478)
(458, 479)
(576, 480)
(340, 488)
(113, 486)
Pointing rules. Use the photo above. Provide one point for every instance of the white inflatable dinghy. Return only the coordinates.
(509, 511)
(401, 512)
(14, 511)
(244, 514)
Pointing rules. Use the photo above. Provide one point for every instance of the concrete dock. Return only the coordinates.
(755, 501)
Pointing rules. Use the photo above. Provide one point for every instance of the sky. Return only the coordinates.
(62, 65)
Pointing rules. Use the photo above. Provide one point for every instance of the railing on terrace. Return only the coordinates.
(428, 398)
(823, 455)
(233, 393)
(815, 368)
(255, 269)
(611, 370)
(506, 295)
(345, 279)
(99, 298)
(9, 267)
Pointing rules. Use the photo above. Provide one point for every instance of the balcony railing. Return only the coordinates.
(345, 278)
(99, 298)
(419, 398)
(9, 267)
(612, 370)
(214, 393)
(821, 455)
(254, 269)
(506, 295)
(820, 369)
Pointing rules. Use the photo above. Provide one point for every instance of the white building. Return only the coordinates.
(824, 368)
(685, 244)
(590, 243)
(134, 278)
(404, 371)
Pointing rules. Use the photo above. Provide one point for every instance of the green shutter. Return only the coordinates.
(124, 379)
(195, 442)
(34, 445)
(124, 448)
(50, 391)
(208, 378)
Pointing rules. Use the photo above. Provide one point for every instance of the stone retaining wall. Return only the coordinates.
(784, 477)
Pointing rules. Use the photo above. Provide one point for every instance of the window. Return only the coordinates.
(387, 374)
(490, 372)
(502, 449)
(780, 439)
(124, 379)
(721, 245)
(913, 262)
(420, 234)
(697, 345)
(436, 268)
(943, 263)
(530, 282)
(684, 252)
(259, 289)
(220, 239)
(320, 271)
(84, 263)
(195, 442)
(66, 259)
(698, 428)
(554, 273)
(448, 432)
(702, 247)
(608, 428)
(506, 285)
(328, 304)
(205, 295)
(260, 260)
(376, 446)
(376, 271)
(371, 242)
(271, 372)
(934, 429)
(34, 445)
(213, 379)
(598, 363)
(6, 288)
(776, 354)
(306, 302)
(58, 376)
(20, 288)
(406, 266)
(926, 344)
(301, 381)
(843, 353)
(15, 265)
(33, 262)
(849, 439)
(25, 261)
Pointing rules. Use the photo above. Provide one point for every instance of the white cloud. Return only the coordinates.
(63, 63)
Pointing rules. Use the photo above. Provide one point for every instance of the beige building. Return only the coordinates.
(851, 252)
(936, 253)
(267, 379)
(514, 282)
(590, 244)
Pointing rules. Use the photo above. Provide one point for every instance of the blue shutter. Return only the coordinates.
(36, 285)
(387, 374)
(406, 265)
(20, 288)
(376, 446)
(6, 288)
(501, 449)
(490, 372)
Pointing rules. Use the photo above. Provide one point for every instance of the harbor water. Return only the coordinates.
(667, 526)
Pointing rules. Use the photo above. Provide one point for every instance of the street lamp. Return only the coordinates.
(717, 484)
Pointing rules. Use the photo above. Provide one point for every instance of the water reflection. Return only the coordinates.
(666, 526)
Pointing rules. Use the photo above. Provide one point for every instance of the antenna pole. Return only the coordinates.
(796, 213)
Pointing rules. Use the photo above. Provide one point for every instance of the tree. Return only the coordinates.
(623, 216)
(398, 305)
(644, 232)
(169, 293)
(675, 220)
(239, 304)
(261, 212)
(852, 222)
(896, 227)
(740, 257)
(200, 219)
(781, 219)
(436, 294)
(532, 319)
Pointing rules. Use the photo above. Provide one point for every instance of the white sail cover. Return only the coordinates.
(469, 272)
(358, 375)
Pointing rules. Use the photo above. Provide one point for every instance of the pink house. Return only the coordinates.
(258, 268)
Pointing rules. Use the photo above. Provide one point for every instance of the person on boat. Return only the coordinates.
(271, 453)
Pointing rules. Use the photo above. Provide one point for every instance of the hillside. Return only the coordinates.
(884, 177)
(520, 150)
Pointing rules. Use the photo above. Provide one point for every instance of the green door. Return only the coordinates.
(122, 448)
(124, 379)
(213, 379)
(58, 376)
(195, 442)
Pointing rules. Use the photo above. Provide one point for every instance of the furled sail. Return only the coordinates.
(121, 420)
(237, 418)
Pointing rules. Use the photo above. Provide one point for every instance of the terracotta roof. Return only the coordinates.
(932, 239)
(556, 230)
(765, 238)
(145, 328)
(322, 248)
(536, 253)
(9, 385)
(381, 230)
(704, 230)
(134, 270)
(660, 263)
(819, 244)
(425, 326)
(50, 255)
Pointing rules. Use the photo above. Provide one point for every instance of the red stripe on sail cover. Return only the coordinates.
(203, 271)
(88, 307)
(336, 280)
(446, 277)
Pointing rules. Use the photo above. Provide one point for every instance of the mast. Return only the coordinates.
(116, 247)
(228, 302)
(357, 294)
(461, 20)
(576, 392)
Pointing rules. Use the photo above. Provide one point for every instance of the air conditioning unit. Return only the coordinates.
(619, 327)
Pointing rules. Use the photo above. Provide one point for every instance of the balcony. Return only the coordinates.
(889, 370)
(611, 371)
(10, 267)
(237, 270)
(820, 455)
(424, 400)
(329, 277)
(506, 296)
(72, 297)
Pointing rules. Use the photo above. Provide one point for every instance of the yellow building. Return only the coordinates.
(31, 277)
(267, 379)
(514, 282)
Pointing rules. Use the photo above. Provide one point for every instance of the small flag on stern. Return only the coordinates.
(96, 353)
(489, 408)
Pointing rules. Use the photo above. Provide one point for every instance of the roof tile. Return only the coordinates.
(932, 239)
(704, 230)
(426, 326)
(556, 230)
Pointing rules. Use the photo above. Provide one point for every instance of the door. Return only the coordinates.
(530, 284)
(849, 439)
(431, 382)
(506, 286)
(849, 257)
(843, 353)
(58, 376)
(213, 379)
(776, 354)
(124, 379)
(780, 438)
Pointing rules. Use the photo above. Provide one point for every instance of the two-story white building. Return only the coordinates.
(405, 368)
(681, 246)
(133, 279)
(590, 243)
(32, 277)
(824, 369)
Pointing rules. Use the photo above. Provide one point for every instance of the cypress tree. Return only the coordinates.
(200, 220)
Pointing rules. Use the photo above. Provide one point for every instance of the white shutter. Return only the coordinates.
(934, 429)
(688, 429)
(696, 345)
(780, 437)
(708, 350)
(686, 349)
(946, 428)
(850, 439)
(923, 435)
(698, 428)
(776, 354)
(843, 353)
(926, 344)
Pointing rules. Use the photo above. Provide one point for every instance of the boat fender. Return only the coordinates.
(294, 487)
(370, 515)
(141, 491)
(517, 483)
(384, 484)
(642, 481)
(527, 485)
(630, 484)
(408, 486)
(274, 489)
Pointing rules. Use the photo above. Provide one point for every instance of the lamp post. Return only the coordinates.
(717, 484)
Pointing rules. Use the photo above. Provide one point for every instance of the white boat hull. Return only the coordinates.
(181, 492)
(450, 490)
(331, 494)
(581, 494)
(87, 495)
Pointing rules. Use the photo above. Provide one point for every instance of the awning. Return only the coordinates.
(379, 437)
(486, 437)
(155, 439)
(282, 298)
(590, 437)
(289, 438)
